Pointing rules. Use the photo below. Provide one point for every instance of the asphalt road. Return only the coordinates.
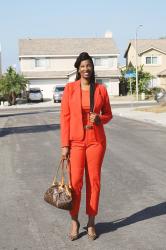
(132, 212)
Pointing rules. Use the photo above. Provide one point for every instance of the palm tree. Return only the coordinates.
(12, 84)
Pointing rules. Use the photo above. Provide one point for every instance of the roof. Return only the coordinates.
(67, 46)
(162, 73)
(65, 74)
(146, 44)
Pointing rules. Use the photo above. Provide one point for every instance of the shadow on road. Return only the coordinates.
(29, 129)
(145, 214)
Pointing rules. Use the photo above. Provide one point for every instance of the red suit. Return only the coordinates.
(87, 143)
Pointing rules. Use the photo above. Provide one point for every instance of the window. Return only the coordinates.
(59, 89)
(153, 83)
(104, 61)
(104, 81)
(151, 60)
(34, 91)
(41, 62)
(99, 81)
(98, 62)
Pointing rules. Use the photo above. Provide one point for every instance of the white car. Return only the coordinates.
(160, 97)
(58, 92)
(35, 94)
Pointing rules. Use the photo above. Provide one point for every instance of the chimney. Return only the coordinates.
(108, 34)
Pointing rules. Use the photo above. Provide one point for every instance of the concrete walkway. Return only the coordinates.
(149, 117)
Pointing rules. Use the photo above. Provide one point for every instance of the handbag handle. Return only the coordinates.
(61, 165)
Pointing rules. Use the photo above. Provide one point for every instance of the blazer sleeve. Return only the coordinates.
(106, 112)
(65, 118)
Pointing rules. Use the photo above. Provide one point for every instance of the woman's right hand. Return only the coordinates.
(65, 152)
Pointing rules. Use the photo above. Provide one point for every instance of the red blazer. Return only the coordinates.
(71, 113)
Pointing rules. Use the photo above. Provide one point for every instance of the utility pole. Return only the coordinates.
(136, 58)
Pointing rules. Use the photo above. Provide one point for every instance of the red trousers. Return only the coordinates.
(87, 154)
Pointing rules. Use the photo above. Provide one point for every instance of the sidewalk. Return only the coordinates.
(129, 112)
(149, 117)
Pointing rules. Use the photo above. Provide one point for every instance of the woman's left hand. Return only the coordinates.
(95, 118)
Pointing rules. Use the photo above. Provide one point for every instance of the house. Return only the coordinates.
(47, 62)
(152, 54)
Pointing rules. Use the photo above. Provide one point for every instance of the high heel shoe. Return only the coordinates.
(73, 237)
(93, 235)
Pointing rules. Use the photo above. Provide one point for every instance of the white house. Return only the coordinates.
(47, 62)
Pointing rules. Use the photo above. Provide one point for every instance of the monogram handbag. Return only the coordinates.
(60, 193)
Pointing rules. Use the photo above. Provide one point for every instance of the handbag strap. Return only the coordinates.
(62, 167)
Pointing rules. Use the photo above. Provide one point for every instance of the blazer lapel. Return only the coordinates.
(77, 98)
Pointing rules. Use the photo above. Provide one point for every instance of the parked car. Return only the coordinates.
(57, 93)
(35, 94)
(160, 97)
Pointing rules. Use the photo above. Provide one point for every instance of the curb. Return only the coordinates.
(30, 106)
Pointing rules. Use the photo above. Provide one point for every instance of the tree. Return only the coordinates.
(125, 82)
(123, 85)
(11, 85)
(143, 79)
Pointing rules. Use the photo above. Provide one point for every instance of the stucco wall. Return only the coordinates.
(131, 56)
(154, 69)
(54, 64)
(163, 82)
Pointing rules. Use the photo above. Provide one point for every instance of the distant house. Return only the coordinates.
(151, 54)
(47, 62)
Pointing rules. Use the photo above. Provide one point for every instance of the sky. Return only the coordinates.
(73, 18)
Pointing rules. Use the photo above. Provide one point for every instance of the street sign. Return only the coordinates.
(130, 74)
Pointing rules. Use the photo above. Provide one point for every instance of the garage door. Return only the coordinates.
(46, 86)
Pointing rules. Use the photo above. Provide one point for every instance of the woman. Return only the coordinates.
(85, 108)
